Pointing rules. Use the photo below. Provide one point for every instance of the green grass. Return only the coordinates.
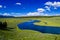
(54, 21)
(18, 34)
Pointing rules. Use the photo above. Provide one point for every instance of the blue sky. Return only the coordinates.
(29, 7)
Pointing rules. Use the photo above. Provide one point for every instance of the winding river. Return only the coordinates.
(44, 29)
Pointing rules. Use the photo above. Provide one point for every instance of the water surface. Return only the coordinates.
(44, 29)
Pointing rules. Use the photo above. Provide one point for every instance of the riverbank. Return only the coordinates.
(54, 21)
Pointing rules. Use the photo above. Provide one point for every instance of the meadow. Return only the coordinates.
(18, 34)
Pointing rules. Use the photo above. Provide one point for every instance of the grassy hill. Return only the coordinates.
(18, 34)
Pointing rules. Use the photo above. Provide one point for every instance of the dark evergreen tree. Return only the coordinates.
(1, 25)
(4, 25)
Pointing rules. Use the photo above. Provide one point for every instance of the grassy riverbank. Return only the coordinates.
(54, 21)
(17, 34)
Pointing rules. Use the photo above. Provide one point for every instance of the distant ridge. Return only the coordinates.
(2, 16)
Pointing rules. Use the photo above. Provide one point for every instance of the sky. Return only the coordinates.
(29, 7)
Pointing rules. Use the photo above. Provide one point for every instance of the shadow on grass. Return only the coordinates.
(6, 29)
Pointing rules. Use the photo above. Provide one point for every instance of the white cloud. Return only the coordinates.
(33, 14)
(1, 6)
(46, 15)
(47, 8)
(6, 14)
(40, 10)
(18, 3)
(28, 14)
(12, 14)
(36, 14)
(53, 4)
(48, 3)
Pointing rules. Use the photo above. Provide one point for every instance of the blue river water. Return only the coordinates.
(44, 29)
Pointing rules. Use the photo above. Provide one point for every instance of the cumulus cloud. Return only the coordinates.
(36, 14)
(47, 8)
(48, 3)
(40, 10)
(18, 3)
(33, 14)
(53, 4)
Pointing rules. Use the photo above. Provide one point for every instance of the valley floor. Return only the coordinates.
(18, 34)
